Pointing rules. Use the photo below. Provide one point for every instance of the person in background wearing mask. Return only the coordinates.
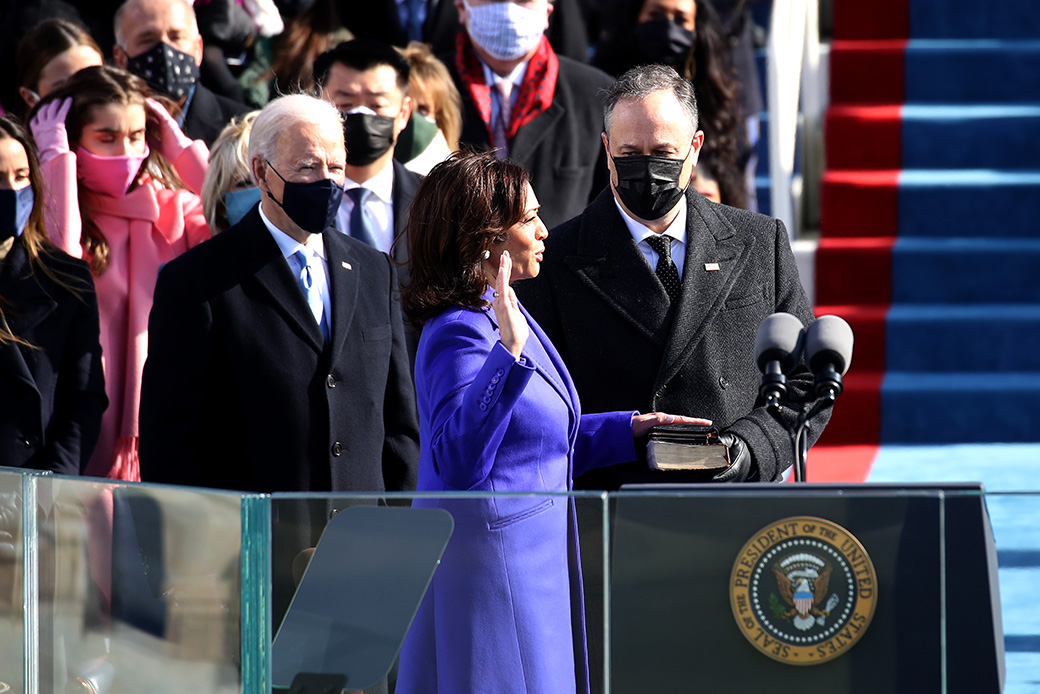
(653, 269)
(50, 357)
(688, 35)
(367, 80)
(229, 191)
(159, 41)
(532, 106)
(123, 182)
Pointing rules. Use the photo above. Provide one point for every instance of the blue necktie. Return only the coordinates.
(305, 276)
(359, 219)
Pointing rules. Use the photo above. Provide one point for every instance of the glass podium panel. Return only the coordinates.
(499, 572)
(139, 587)
(12, 594)
(130, 588)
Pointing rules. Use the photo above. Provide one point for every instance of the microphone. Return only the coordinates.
(828, 350)
(778, 344)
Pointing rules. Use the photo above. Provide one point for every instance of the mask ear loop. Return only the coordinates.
(268, 192)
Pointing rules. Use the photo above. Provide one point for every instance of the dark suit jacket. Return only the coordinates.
(378, 19)
(405, 184)
(607, 313)
(240, 392)
(52, 397)
(561, 148)
(208, 113)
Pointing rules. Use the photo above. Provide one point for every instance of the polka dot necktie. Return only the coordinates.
(666, 270)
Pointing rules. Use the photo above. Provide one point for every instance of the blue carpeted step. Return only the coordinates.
(970, 271)
(975, 202)
(763, 193)
(981, 19)
(960, 407)
(976, 136)
(956, 338)
(967, 71)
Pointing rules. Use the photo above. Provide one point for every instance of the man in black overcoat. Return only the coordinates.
(254, 383)
(653, 295)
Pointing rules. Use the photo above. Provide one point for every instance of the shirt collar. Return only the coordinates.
(381, 185)
(288, 245)
(516, 76)
(639, 231)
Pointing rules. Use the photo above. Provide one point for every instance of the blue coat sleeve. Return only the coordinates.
(470, 383)
(604, 439)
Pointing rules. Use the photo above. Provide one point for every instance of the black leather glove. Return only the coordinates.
(739, 459)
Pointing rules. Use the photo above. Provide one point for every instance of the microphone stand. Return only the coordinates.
(831, 388)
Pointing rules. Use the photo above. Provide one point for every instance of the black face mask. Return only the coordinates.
(367, 137)
(312, 206)
(166, 70)
(664, 41)
(649, 185)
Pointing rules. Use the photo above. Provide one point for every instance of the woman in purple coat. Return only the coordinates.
(497, 413)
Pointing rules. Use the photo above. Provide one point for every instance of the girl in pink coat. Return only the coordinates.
(123, 194)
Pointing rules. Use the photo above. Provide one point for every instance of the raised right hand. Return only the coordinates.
(512, 326)
(48, 128)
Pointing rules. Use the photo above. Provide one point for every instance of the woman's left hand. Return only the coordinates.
(643, 423)
(172, 140)
(512, 326)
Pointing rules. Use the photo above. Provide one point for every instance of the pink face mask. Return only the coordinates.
(108, 175)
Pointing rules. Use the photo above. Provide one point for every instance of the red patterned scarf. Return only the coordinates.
(536, 89)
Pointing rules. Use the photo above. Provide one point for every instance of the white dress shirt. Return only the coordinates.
(677, 230)
(379, 205)
(314, 248)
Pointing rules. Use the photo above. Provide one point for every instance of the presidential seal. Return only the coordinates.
(803, 590)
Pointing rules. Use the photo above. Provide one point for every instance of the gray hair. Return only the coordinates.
(284, 112)
(639, 82)
(117, 20)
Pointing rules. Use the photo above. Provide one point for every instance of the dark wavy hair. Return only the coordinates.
(714, 81)
(461, 209)
(99, 86)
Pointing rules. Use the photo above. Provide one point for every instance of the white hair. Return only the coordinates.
(117, 20)
(284, 112)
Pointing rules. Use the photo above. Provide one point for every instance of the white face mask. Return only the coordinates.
(505, 30)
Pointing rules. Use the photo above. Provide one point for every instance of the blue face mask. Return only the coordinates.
(237, 203)
(15, 208)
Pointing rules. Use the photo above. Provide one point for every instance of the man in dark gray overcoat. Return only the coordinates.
(653, 295)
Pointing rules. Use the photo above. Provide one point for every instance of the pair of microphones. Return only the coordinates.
(781, 343)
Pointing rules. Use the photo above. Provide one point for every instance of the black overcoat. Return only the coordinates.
(241, 392)
(607, 313)
(52, 395)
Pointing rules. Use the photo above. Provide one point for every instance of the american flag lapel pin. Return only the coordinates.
(711, 266)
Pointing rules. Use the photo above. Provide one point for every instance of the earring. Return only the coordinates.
(487, 254)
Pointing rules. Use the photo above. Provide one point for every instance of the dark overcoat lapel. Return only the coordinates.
(267, 273)
(343, 288)
(711, 242)
(610, 263)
